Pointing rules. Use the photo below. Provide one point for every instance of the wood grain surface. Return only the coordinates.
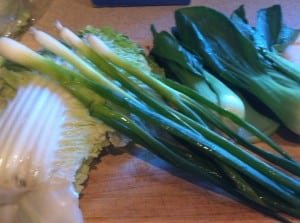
(134, 186)
(131, 185)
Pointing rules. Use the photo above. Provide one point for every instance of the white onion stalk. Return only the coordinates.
(75, 42)
(59, 49)
(19, 53)
(53, 45)
(103, 50)
(71, 38)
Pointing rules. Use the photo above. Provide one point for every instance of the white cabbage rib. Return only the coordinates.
(45, 136)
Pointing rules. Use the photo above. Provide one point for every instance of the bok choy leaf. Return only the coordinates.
(235, 59)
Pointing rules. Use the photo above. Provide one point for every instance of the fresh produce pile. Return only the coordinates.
(243, 56)
(192, 120)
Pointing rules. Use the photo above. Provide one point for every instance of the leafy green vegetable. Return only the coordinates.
(48, 141)
(234, 58)
(271, 36)
(189, 70)
(270, 32)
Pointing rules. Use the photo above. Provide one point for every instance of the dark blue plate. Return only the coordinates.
(114, 3)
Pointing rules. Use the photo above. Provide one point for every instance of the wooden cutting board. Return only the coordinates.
(132, 185)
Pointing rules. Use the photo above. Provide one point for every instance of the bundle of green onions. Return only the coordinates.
(188, 131)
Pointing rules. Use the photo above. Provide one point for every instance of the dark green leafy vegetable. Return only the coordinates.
(271, 37)
(235, 59)
(188, 69)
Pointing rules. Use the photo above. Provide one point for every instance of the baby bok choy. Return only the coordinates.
(187, 68)
(234, 58)
(183, 139)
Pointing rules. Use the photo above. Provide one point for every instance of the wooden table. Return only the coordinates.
(132, 185)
